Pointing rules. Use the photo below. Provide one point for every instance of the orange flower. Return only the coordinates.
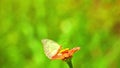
(65, 53)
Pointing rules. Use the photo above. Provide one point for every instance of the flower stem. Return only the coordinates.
(69, 62)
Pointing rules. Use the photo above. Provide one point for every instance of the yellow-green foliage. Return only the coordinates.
(94, 25)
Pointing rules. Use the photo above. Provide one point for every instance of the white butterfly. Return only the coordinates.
(50, 47)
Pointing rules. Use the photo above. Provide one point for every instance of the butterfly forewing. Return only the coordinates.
(50, 47)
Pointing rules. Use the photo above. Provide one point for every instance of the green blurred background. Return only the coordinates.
(94, 25)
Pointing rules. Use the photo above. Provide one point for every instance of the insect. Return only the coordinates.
(54, 51)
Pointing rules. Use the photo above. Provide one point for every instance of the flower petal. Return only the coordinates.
(72, 51)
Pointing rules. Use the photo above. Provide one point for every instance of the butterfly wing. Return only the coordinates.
(50, 47)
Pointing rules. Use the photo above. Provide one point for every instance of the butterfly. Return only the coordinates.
(54, 51)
